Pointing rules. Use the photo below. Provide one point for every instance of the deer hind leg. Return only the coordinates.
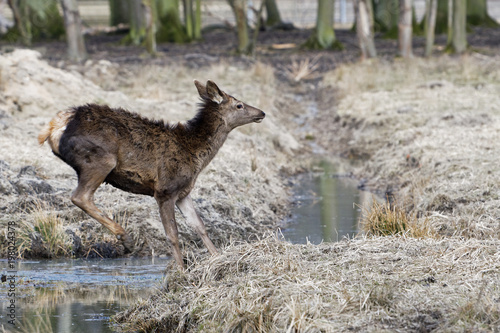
(89, 180)
(167, 213)
(194, 221)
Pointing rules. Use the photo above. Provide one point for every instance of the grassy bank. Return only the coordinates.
(424, 132)
(377, 284)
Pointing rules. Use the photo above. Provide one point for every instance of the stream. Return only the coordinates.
(327, 206)
(78, 295)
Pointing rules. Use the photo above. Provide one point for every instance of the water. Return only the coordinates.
(327, 206)
(77, 295)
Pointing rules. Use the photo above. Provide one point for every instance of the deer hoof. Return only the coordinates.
(127, 242)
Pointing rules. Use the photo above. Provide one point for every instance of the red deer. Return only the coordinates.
(148, 157)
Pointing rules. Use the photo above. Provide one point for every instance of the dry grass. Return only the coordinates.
(385, 219)
(382, 75)
(46, 227)
(430, 129)
(373, 284)
(302, 70)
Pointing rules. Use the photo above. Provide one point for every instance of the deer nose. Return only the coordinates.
(259, 118)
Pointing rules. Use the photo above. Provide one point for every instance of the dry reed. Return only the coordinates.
(380, 283)
(384, 219)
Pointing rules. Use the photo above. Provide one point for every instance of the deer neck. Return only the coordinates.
(206, 135)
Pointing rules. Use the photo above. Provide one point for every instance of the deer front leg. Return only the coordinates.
(194, 221)
(167, 213)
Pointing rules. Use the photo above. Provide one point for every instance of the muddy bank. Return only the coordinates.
(238, 195)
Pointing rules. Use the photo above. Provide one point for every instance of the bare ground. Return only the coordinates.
(425, 132)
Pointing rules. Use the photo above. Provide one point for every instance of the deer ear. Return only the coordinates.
(214, 93)
(202, 90)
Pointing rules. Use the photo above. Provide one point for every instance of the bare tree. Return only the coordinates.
(170, 27)
(74, 36)
(119, 12)
(430, 25)
(405, 28)
(364, 29)
(137, 22)
(323, 36)
(477, 14)
(150, 18)
(35, 20)
(459, 28)
(240, 12)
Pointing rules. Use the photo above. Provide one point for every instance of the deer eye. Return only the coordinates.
(239, 106)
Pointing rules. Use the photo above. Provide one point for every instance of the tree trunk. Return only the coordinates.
(405, 28)
(192, 19)
(20, 22)
(477, 14)
(364, 29)
(459, 33)
(240, 13)
(137, 22)
(188, 18)
(273, 14)
(442, 16)
(74, 36)
(386, 15)
(430, 25)
(450, 22)
(197, 21)
(170, 27)
(323, 36)
(119, 12)
(35, 20)
(150, 18)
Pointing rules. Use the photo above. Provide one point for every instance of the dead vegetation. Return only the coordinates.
(389, 218)
(367, 284)
(427, 130)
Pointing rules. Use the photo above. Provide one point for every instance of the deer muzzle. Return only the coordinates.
(259, 118)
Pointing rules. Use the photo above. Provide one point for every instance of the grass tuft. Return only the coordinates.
(384, 219)
(46, 226)
(303, 70)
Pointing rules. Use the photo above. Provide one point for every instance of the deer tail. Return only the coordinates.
(44, 134)
(53, 131)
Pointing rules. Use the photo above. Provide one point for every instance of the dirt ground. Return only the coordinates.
(423, 131)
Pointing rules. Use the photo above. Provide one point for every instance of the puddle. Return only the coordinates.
(326, 206)
(77, 295)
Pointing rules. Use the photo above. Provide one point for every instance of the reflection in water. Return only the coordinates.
(78, 295)
(326, 207)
